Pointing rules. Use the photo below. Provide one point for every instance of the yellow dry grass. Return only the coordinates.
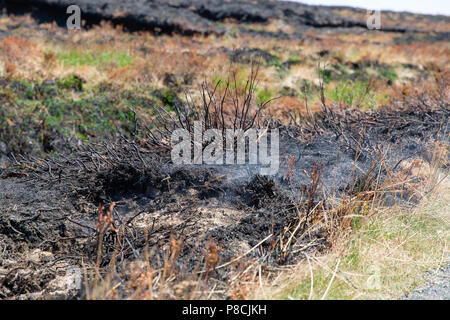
(384, 256)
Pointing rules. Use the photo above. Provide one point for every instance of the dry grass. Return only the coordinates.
(383, 254)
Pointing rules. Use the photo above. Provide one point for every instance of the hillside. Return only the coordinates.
(92, 205)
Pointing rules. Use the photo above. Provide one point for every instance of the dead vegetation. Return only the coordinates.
(152, 230)
(359, 135)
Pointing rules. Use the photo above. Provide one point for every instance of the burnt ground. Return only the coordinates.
(204, 216)
(193, 224)
(204, 16)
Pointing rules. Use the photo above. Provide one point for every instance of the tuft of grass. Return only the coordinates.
(263, 95)
(353, 94)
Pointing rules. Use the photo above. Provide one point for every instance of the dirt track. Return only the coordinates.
(437, 287)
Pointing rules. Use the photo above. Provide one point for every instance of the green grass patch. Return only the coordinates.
(74, 58)
(353, 94)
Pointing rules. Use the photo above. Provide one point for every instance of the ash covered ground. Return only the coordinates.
(50, 211)
(78, 207)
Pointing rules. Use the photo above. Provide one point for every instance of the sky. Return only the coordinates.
(417, 6)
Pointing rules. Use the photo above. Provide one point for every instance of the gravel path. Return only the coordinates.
(437, 288)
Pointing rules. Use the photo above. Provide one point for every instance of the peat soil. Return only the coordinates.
(50, 208)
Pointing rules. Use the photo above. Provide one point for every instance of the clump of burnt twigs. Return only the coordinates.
(223, 104)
